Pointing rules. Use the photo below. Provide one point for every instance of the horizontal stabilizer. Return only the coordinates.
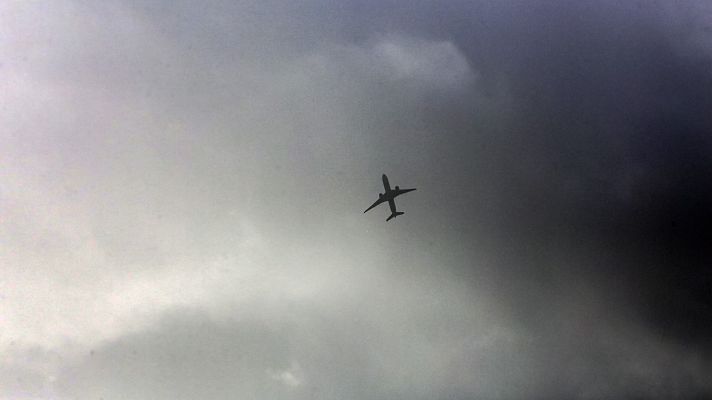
(395, 214)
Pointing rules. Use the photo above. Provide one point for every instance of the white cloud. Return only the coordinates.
(115, 211)
(437, 63)
(290, 376)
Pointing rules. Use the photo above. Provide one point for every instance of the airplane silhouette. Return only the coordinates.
(389, 196)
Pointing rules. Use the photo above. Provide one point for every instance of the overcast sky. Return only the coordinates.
(182, 187)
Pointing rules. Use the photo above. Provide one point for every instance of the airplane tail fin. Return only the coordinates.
(395, 214)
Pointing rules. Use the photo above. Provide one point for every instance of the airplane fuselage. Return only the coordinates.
(389, 195)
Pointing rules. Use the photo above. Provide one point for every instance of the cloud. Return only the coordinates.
(289, 376)
(351, 346)
(183, 187)
(102, 171)
(370, 349)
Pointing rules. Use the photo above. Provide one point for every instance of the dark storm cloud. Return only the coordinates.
(605, 165)
(609, 117)
(595, 167)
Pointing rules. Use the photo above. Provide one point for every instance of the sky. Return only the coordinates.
(182, 187)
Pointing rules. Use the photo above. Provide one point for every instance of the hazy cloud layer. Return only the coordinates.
(182, 189)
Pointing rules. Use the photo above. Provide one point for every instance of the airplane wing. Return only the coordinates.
(392, 203)
(379, 201)
(401, 191)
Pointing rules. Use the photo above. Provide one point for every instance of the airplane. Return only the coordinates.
(389, 196)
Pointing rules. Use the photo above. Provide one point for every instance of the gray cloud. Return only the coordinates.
(183, 193)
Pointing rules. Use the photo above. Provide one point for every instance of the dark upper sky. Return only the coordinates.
(182, 189)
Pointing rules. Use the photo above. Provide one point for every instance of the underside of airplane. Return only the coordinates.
(388, 196)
